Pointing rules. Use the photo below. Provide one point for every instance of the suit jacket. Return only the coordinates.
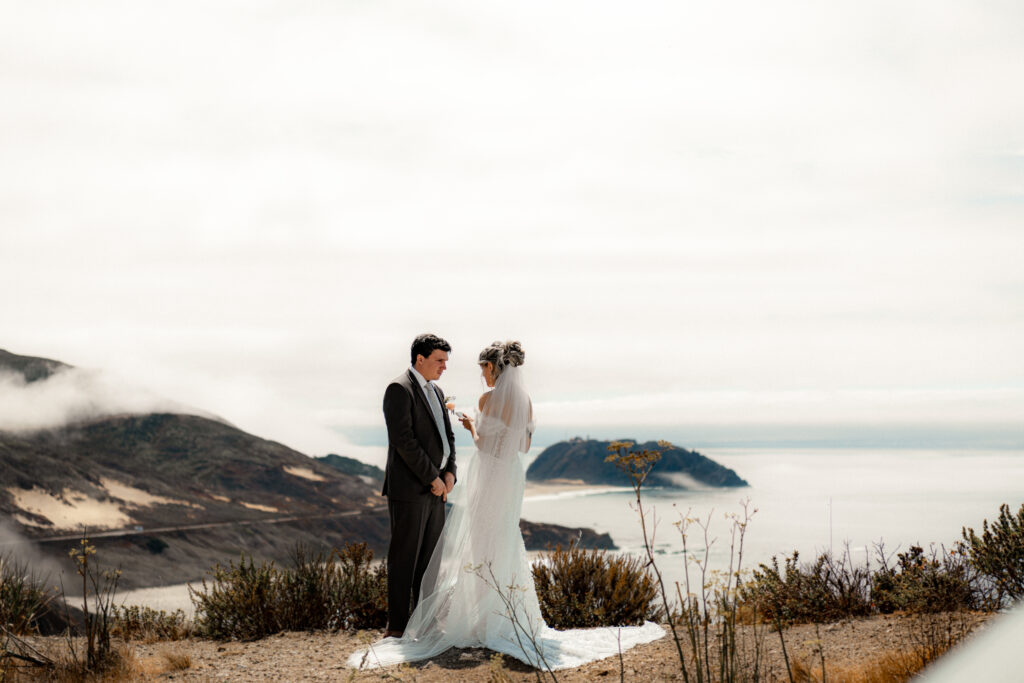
(415, 448)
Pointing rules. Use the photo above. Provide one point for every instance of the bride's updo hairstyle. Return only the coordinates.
(503, 355)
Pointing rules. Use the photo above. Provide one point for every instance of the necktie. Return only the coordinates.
(435, 408)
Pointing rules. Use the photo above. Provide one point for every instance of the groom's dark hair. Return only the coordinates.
(426, 344)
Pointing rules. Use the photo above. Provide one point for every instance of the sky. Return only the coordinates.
(721, 221)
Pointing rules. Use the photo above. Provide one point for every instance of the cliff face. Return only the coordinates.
(579, 459)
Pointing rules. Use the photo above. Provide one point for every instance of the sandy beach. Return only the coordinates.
(554, 488)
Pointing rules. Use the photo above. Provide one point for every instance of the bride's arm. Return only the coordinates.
(468, 423)
(529, 430)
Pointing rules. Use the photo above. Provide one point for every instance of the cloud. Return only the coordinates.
(74, 395)
(750, 199)
(980, 408)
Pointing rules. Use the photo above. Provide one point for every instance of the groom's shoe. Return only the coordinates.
(392, 634)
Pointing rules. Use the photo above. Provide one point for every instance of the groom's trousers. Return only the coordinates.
(415, 528)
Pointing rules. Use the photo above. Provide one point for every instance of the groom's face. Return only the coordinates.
(432, 366)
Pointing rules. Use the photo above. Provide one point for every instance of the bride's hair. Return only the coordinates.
(502, 355)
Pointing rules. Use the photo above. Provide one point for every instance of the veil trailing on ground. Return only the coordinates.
(478, 587)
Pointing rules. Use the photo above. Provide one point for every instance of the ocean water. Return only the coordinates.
(809, 500)
(806, 500)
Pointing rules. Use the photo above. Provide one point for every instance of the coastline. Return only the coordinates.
(561, 488)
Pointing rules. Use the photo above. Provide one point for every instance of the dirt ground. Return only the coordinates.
(287, 657)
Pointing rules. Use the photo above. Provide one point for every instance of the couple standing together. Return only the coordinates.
(465, 574)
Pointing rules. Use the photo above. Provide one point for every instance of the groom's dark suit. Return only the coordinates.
(415, 451)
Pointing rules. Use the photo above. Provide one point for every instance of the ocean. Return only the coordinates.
(806, 499)
(809, 500)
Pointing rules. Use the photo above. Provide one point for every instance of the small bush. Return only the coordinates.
(144, 623)
(363, 594)
(827, 590)
(580, 588)
(23, 597)
(240, 602)
(340, 590)
(999, 553)
(918, 583)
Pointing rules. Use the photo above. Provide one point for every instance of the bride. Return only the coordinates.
(478, 588)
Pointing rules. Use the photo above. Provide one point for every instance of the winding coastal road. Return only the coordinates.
(150, 531)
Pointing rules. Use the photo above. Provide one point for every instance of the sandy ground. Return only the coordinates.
(138, 497)
(71, 510)
(321, 657)
(303, 472)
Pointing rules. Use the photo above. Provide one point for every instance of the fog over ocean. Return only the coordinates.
(811, 499)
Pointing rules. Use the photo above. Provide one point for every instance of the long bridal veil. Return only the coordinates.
(478, 587)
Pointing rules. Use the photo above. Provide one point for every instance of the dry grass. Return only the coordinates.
(69, 668)
(497, 673)
(149, 625)
(163, 662)
(892, 666)
(178, 661)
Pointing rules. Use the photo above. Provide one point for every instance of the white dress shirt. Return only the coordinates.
(431, 396)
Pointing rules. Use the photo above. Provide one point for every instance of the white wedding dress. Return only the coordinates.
(478, 588)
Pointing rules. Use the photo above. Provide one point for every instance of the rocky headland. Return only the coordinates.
(584, 460)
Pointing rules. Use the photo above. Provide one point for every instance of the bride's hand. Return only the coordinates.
(467, 422)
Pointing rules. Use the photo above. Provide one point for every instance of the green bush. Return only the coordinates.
(918, 583)
(363, 589)
(580, 588)
(23, 597)
(827, 590)
(998, 554)
(340, 590)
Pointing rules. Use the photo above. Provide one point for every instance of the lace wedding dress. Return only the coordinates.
(478, 588)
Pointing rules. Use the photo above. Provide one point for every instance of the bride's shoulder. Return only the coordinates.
(483, 399)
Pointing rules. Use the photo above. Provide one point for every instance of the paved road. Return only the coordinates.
(151, 531)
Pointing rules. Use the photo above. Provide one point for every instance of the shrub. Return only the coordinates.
(99, 656)
(23, 597)
(240, 602)
(919, 583)
(144, 623)
(999, 553)
(340, 590)
(827, 590)
(580, 588)
(363, 590)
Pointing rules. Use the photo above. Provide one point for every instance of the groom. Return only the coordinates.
(420, 473)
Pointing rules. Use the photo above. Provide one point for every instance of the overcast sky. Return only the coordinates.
(692, 215)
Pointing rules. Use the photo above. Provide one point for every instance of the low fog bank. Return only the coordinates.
(22, 552)
(76, 395)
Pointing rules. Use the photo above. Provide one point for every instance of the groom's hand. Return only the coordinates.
(449, 482)
(437, 487)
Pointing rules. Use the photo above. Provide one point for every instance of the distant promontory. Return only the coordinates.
(584, 460)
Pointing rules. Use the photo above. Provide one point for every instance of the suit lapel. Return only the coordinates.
(418, 390)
